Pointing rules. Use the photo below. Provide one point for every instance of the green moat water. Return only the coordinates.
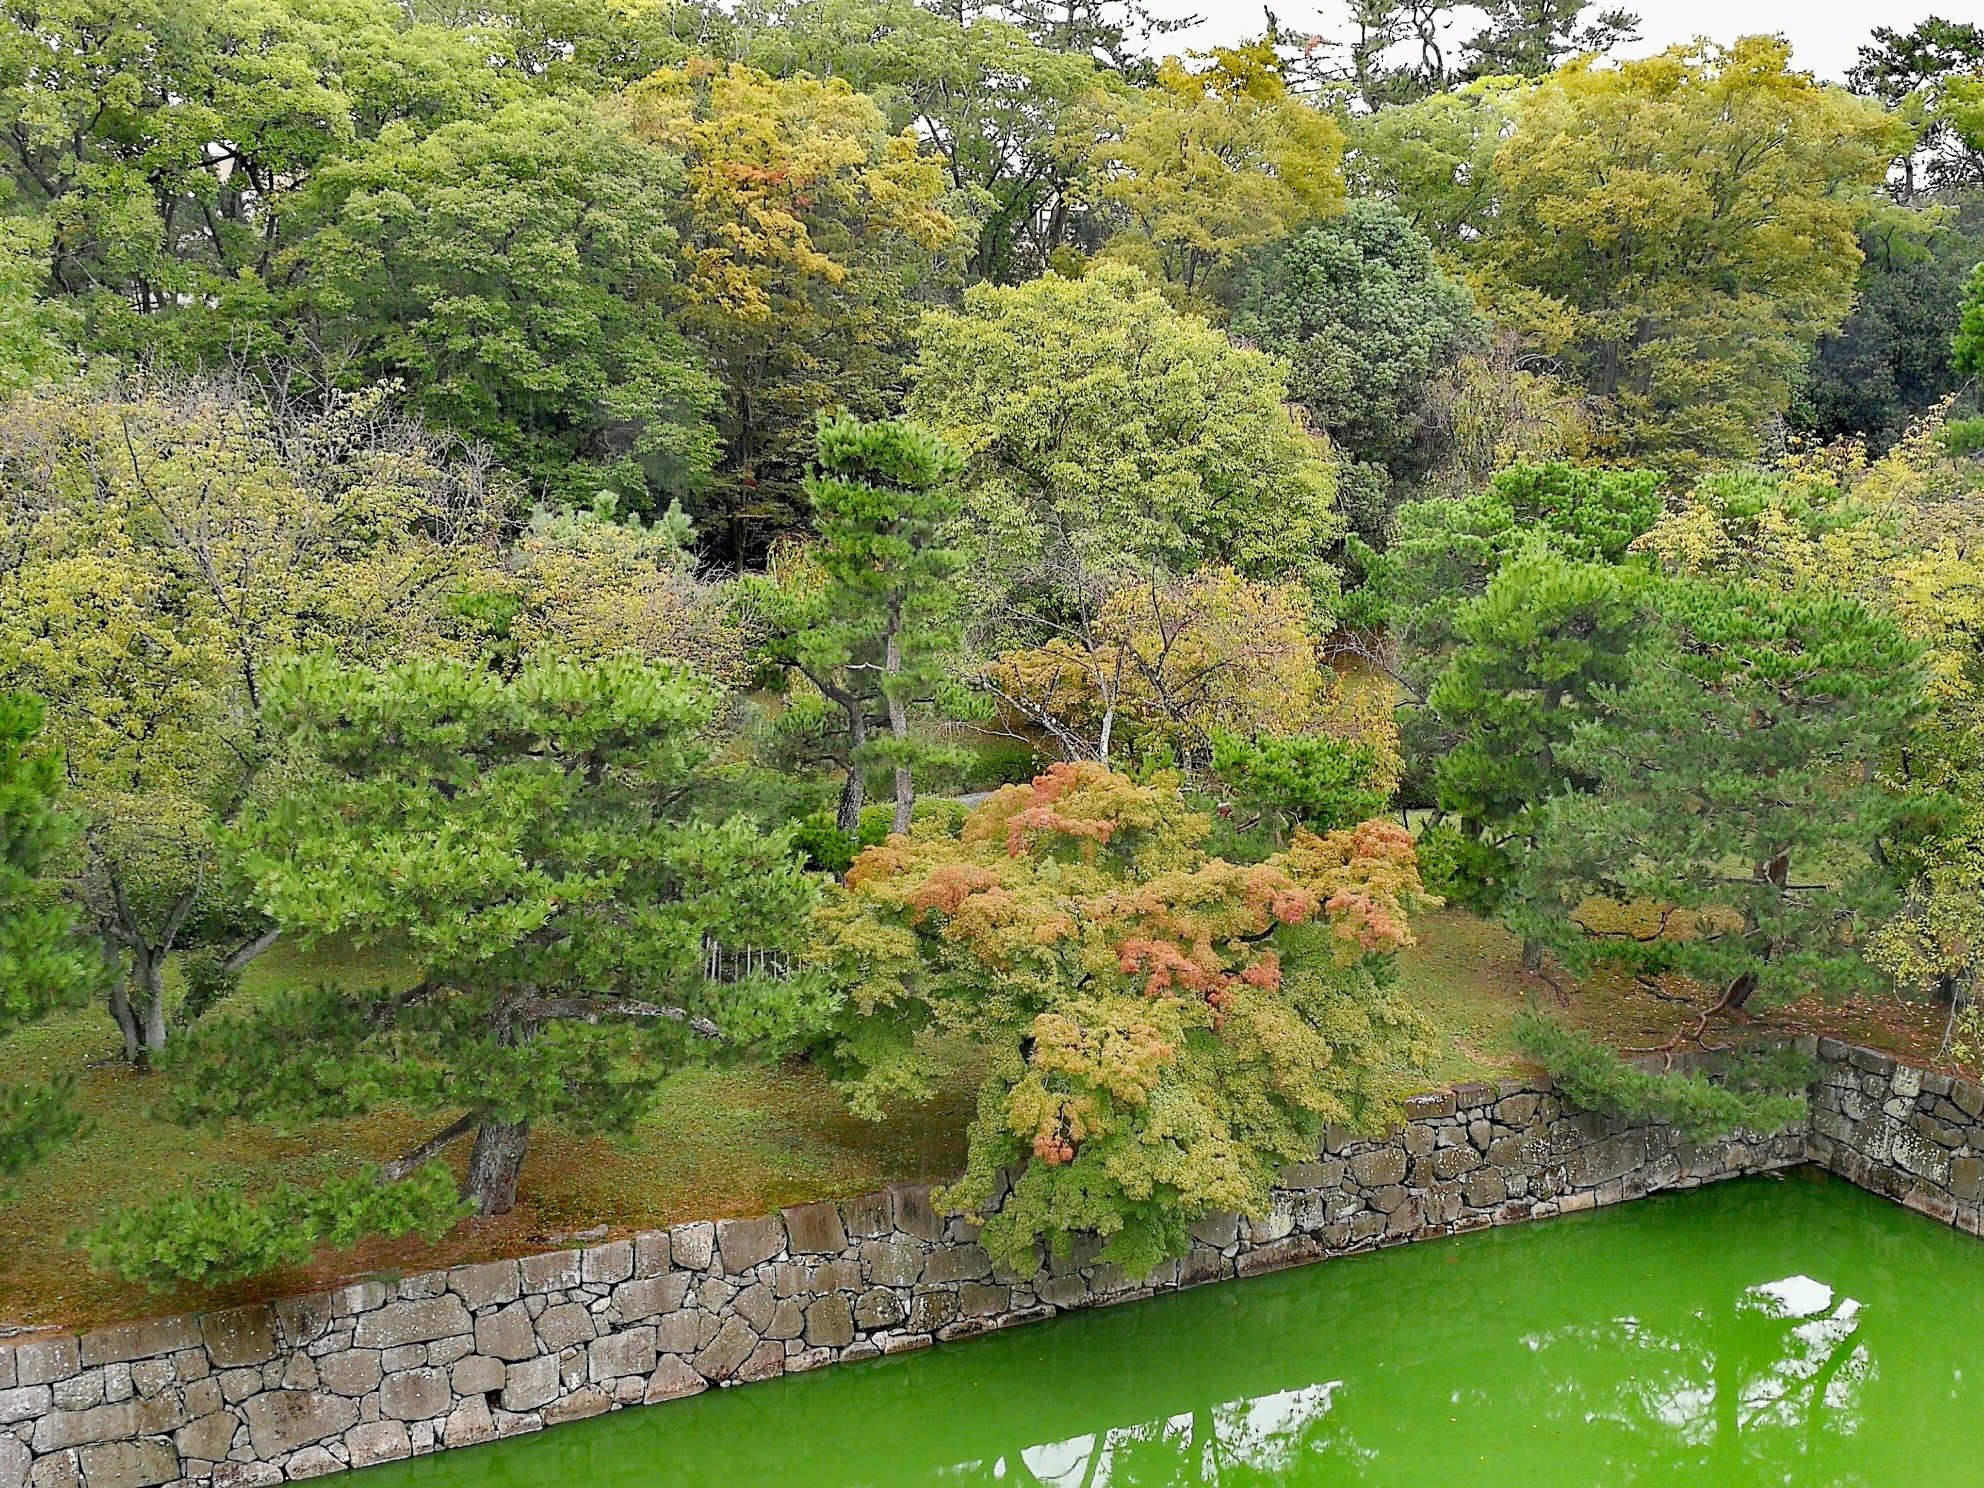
(1789, 1332)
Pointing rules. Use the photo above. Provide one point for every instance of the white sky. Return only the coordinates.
(1825, 34)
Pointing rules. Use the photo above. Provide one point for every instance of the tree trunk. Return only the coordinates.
(120, 1002)
(153, 987)
(898, 720)
(495, 1166)
(853, 792)
(1532, 954)
(1738, 996)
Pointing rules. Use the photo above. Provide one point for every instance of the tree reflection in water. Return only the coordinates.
(1760, 1385)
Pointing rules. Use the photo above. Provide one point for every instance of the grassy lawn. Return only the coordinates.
(720, 1142)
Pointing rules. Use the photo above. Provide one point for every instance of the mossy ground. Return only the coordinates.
(720, 1142)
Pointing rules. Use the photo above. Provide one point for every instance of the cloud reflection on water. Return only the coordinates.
(1759, 1382)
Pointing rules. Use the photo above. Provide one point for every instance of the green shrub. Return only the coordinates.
(1763, 1092)
(1306, 780)
(1461, 868)
(34, 1121)
(222, 1235)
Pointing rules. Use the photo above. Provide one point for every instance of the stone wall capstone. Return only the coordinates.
(386, 1369)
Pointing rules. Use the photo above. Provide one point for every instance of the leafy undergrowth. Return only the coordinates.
(721, 1142)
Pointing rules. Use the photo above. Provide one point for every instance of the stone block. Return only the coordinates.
(468, 1423)
(56, 1470)
(530, 1384)
(45, 1361)
(815, 1229)
(830, 1323)
(578, 1406)
(744, 1243)
(478, 1374)
(420, 1321)
(564, 1325)
(976, 1299)
(1431, 1106)
(866, 1217)
(1484, 1189)
(912, 1211)
(635, 1301)
(879, 1308)
(376, 1442)
(140, 1464)
(1327, 1174)
(1215, 1230)
(631, 1352)
(672, 1380)
(692, 1245)
(678, 1332)
(1379, 1167)
(240, 1336)
(415, 1395)
(1967, 1178)
(551, 1271)
(246, 1475)
(489, 1285)
(353, 1372)
(1451, 1162)
(140, 1340)
(954, 1263)
(892, 1262)
(25, 1403)
(506, 1334)
(208, 1438)
(15, 1461)
(651, 1254)
(607, 1265)
(755, 1304)
(60, 1428)
(767, 1361)
(280, 1421)
(929, 1311)
(726, 1353)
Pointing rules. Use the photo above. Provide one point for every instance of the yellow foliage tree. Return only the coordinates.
(1169, 662)
(810, 235)
(1680, 230)
(1215, 160)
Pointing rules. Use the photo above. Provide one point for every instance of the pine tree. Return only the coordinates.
(1734, 797)
(534, 844)
(868, 612)
(42, 963)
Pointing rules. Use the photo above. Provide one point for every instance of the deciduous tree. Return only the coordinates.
(164, 544)
(1165, 1030)
(1681, 230)
(810, 237)
(1214, 161)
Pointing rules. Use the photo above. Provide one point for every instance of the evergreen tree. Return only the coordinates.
(1366, 318)
(534, 845)
(42, 963)
(1734, 796)
(869, 614)
(1536, 651)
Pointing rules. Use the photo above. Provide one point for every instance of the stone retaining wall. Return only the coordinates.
(388, 1369)
(1911, 1135)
